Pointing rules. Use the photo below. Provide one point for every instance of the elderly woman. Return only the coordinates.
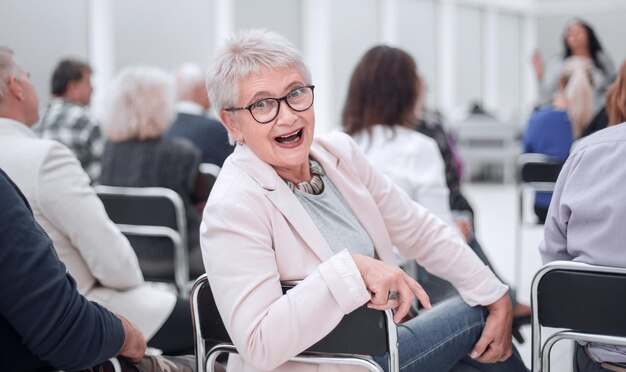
(288, 206)
(139, 110)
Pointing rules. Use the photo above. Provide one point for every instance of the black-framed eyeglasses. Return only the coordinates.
(266, 109)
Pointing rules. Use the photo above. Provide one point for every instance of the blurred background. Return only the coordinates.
(469, 51)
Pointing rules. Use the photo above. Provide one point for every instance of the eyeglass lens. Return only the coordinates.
(266, 110)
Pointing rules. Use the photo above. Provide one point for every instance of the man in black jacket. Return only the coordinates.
(44, 321)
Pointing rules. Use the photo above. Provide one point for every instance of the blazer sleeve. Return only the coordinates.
(418, 234)
(429, 179)
(39, 299)
(72, 206)
(267, 327)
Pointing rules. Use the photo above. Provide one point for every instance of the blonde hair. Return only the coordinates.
(578, 92)
(616, 98)
(140, 104)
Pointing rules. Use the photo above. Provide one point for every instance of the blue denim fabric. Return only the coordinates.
(440, 340)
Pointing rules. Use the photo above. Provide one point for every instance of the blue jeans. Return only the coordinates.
(440, 340)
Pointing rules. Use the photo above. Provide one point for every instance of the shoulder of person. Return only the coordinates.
(183, 145)
(612, 134)
(337, 143)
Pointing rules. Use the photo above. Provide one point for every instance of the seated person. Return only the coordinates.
(552, 129)
(586, 222)
(45, 323)
(67, 118)
(99, 257)
(139, 110)
(288, 206)
(192, 122)
(380, 113)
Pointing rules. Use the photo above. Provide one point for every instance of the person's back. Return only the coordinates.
(67, 119)
(588, 210)
(164, 162)
(44, 321)
(192, 122)
(208, 135)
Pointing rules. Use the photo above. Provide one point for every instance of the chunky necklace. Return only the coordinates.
(315, 186)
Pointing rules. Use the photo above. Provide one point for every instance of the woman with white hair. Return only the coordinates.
(287, 206)
(139, 110)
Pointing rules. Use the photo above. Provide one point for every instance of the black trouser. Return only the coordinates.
(175, 337)
(542, 214)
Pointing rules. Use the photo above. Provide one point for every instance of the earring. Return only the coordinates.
(238, 142)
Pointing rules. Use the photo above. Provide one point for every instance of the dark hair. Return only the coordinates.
(383, 90)
(593, 43)
(66, 71)
(616, 98)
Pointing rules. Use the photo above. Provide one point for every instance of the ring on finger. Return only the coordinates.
(393, 295)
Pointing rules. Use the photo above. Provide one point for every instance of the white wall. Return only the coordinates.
(467, 50)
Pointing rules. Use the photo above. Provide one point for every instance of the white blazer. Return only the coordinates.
(255, 234)
(95, 252)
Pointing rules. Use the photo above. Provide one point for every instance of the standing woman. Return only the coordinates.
(287, 206)
(580, 43)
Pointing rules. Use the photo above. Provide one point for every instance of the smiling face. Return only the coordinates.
(285, 142)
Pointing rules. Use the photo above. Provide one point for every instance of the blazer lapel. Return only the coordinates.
(277, 191)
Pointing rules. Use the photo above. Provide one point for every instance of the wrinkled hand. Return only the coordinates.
(380, 278)
(134, 346)
(495, 343)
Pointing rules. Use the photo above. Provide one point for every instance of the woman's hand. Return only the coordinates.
(380, 278)
(495, 344)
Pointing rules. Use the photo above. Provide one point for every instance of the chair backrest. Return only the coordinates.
(210, 172)
(156, 214)
(580, 298)
(538, 168)
(364, 331)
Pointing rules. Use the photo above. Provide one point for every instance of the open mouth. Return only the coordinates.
(289, 138)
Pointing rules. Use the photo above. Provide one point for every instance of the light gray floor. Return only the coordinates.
(496, 207)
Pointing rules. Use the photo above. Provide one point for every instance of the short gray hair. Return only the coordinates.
(140, 104)
(245, 53)
(188, 76)
(8, 67)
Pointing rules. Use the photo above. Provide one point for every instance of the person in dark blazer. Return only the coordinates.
(192, 122)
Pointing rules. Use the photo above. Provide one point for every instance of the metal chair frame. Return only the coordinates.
(177, 236)
(210, 169)
(206, 359)
(534, 183)
(588, 333)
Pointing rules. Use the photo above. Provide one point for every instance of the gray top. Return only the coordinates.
(585, 221)
(336, 220)
(601, 79)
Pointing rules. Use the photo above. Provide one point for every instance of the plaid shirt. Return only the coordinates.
(73, 125)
